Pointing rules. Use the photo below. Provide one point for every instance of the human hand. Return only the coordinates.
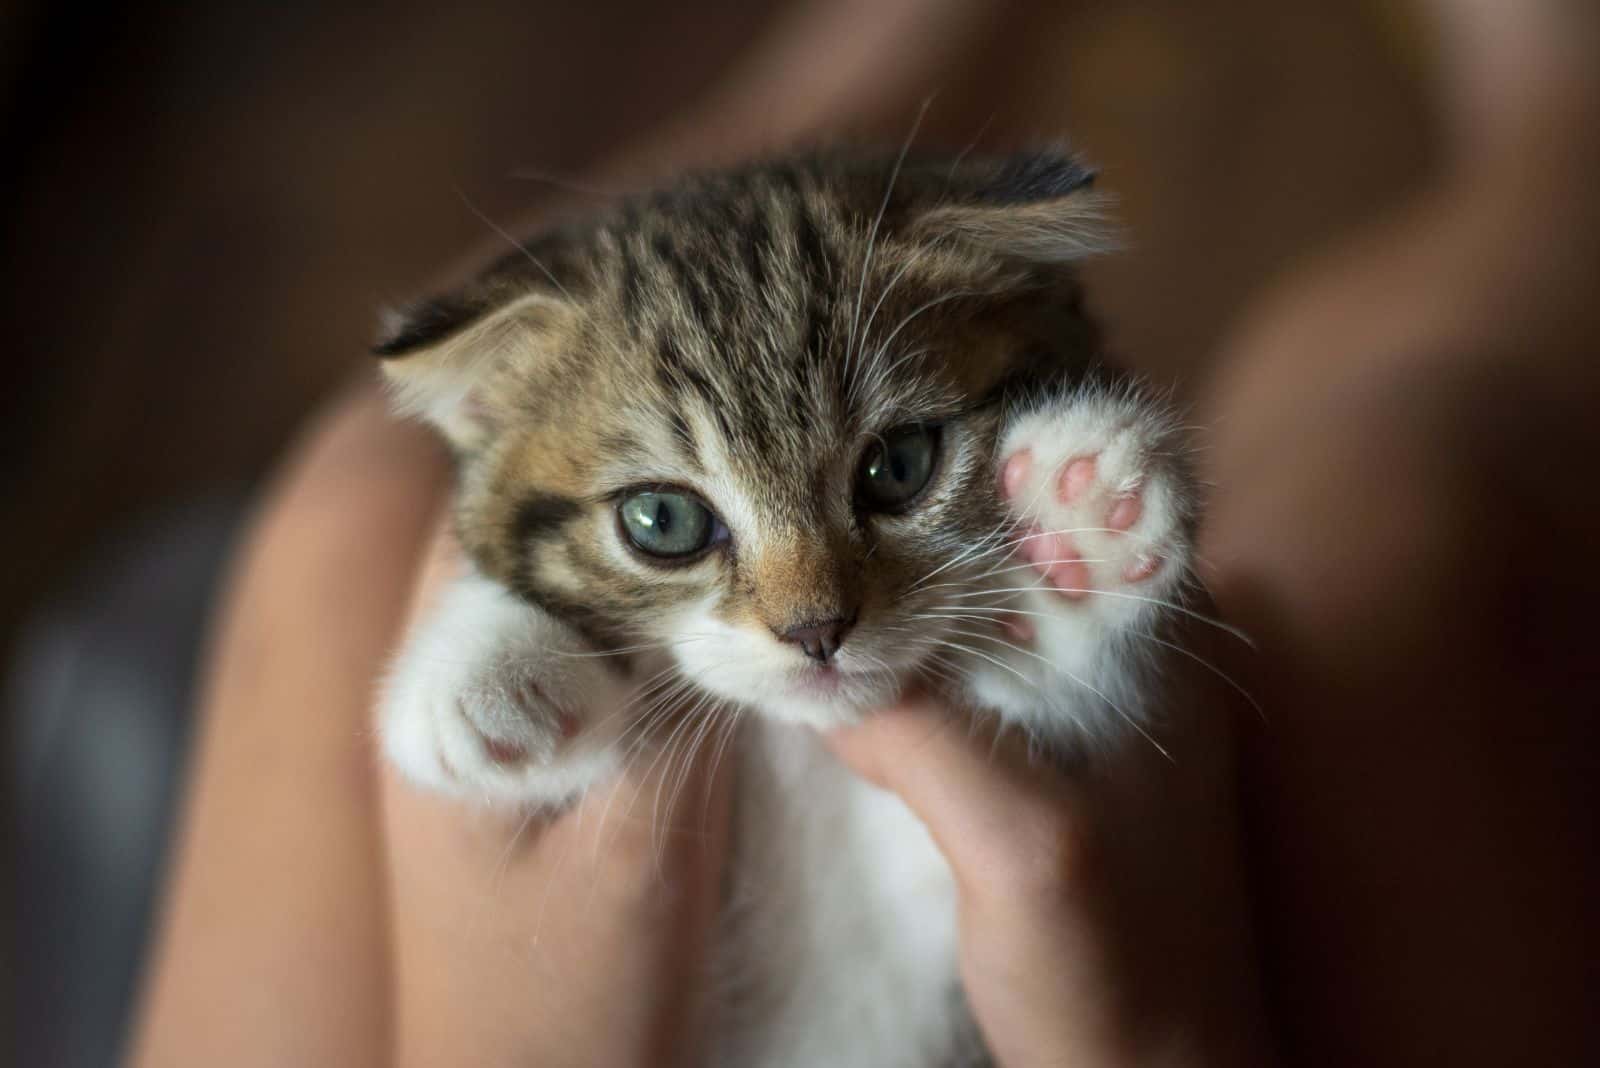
(323, 912)
(1101, 912)
(577, 938)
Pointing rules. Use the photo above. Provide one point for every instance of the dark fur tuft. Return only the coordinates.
(427, 323)
(1037, 176)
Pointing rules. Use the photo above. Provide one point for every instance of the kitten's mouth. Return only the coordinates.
(821, 695)
(831, 683)
(822, 680)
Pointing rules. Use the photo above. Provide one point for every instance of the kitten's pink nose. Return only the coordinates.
(819, 640)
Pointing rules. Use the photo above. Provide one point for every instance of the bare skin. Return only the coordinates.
(275, 946)
(324, 913)
(1101, 915)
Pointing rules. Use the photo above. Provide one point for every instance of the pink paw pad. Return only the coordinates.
(1125, 512)
(1058, 561)
(1014, 472)
(1094, 514)
(506, 754)
(1075, 479)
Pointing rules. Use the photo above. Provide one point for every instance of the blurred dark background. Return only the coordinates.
(205, 206)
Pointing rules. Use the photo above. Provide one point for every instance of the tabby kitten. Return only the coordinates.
(784, 440)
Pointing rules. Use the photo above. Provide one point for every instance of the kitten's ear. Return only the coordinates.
(1038, 208)
(438, 353)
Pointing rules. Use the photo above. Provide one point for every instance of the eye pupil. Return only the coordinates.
(897, 467)
(666, 523)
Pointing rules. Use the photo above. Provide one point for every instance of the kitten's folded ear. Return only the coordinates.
(437, 353)
(1038, 208)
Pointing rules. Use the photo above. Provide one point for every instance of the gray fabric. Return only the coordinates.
(98, 695)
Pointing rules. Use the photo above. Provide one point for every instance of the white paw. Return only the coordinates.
(1098, 551)
(1100, 513)
(469, 728)
(487, 700)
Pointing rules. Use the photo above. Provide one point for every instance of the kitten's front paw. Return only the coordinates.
(468, 727)
(1100, 545)
(1100, 509)
(483, 702)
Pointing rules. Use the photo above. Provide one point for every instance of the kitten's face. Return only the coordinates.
(752, 424)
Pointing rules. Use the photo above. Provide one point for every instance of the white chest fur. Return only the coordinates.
(840, 942)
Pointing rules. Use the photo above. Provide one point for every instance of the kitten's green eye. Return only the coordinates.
(667, 523)
(896, 467)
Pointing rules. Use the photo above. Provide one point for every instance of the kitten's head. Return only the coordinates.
(750, 419)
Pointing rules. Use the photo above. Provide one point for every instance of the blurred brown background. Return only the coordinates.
(207, 204)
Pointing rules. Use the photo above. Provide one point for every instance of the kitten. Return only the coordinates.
(786, 440)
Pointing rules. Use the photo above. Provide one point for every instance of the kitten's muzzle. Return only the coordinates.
(818, 640)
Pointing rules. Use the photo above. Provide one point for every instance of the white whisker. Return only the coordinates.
(1209, 666)
(1081, 682)
(1226, 628)
(872, 237)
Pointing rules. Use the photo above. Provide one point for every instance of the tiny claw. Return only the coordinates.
(1143, 566)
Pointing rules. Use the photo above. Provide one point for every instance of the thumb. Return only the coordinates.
(1005, 817)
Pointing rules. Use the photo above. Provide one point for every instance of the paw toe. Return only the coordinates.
(1075, 480)
(1014, 473)
(503, 753)
(1125, 511)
